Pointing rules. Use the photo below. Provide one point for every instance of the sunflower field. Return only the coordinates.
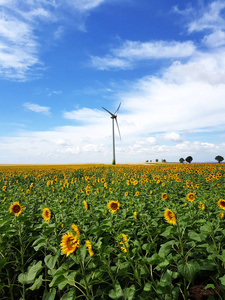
(153, 231)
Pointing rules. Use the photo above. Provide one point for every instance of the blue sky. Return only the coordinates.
(61, 61)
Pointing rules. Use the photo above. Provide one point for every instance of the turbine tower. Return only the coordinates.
(114, 118)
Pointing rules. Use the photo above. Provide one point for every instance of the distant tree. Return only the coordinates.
(219, 158)
(163, 160)
(189, 159)
(181, 160)
(156, 160)
(146, 160)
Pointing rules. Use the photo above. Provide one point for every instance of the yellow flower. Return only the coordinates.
(123, 243)
(75, 228)
(191, 197)
(201, 205)
(135, 215)
(85, 205)
(170, 216)
(88, 245)
(4, 188)
(137, 194)
(221, 215)
(46, 214)
(164, 196)
(221, 204)
(126, 194)
(113, 206)
(69, 243)
(16, 208)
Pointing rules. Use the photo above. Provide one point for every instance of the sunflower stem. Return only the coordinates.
(84, 276)
(22, 258)
(10, 285)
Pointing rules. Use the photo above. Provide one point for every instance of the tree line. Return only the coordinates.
(189, 159)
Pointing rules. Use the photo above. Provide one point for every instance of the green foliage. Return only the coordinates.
(137, 253)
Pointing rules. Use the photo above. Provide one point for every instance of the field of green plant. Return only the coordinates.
(112, 232)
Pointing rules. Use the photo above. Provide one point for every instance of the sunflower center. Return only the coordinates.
(16, 208)
(170, 215)
(222, 203)
(114, 205)
(71, 243)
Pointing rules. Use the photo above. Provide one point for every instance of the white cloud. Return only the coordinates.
(109, 62)
(86, 115)
(130, 52)
(20, 20)
(215, 39)
(211, 18)
(173, 137)
(155, 49)
(37, 108)
(84, 5)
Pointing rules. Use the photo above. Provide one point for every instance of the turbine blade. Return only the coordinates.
(117, 109)
(118, 127)
(108, 111)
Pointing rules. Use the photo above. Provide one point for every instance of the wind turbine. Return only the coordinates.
(114, 118)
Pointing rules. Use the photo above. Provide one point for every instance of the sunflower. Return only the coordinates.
(75, 228)
(221, 204)
(113, 206)
(191, 197)
(46, 214)
(170, 216)
(201, 205)
(88, 245)
(85, 205)
(135, 215)
(69, 243)
(137, 194)
(164, 196)
(16, 208)
(221, 215)
(123, 243)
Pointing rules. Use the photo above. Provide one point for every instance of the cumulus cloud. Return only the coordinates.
(173, 137)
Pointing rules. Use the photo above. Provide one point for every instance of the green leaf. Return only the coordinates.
(49, 295)
(222, 280)
(83, 251)
(165, 248)
(37, 283)
(61, 270)
(168, 232)
(2, 263)
(210, 286)
(70, 295)
(129, 292)
(206, 229)
(57, 280)
(29, 276)
(117, 292)
(154, 259)
(194, 236)
(50, 261)
(188, 269)
(148, 287)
